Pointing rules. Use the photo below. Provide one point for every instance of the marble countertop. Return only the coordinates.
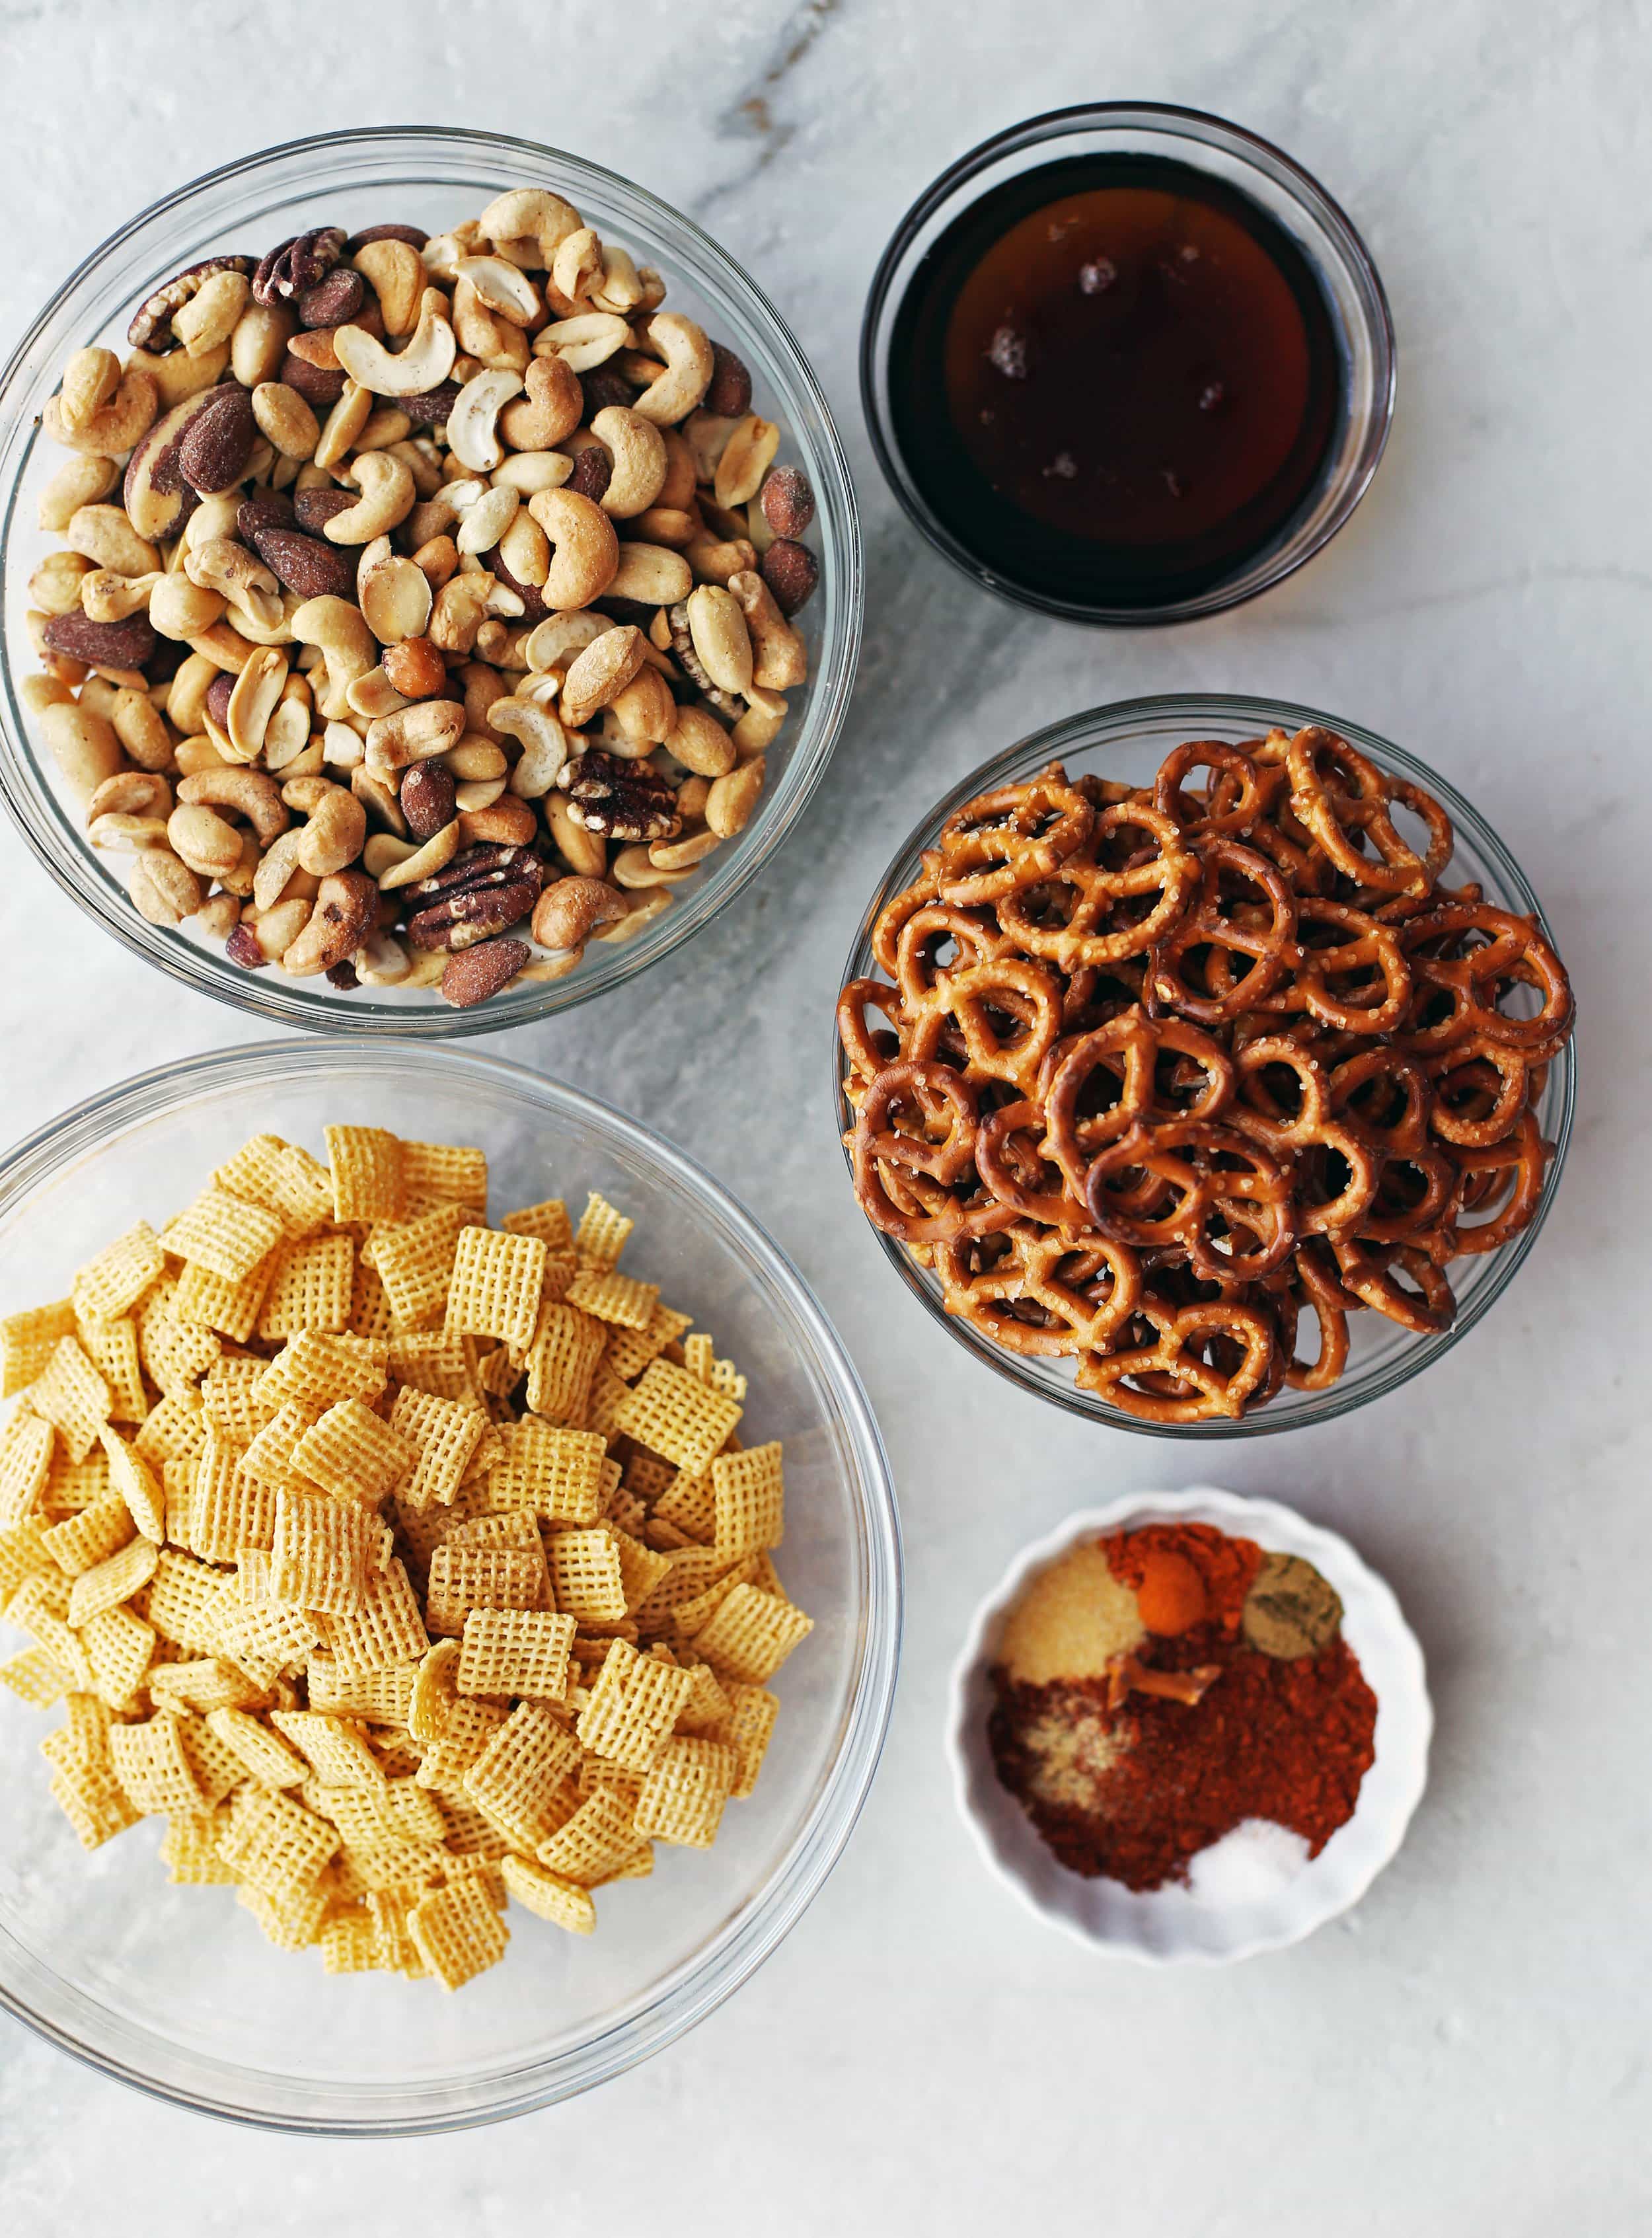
(1468, 2050)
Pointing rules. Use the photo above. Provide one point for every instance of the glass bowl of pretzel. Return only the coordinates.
(362, 1774)
(594, 439)
(1203, 1063)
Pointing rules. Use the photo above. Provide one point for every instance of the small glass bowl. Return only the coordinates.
(1128, 741)
(1294, 199)
(174, 1990)
(429, 176)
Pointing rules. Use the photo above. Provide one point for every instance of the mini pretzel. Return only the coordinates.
(1013, 837)
(1040, 1294)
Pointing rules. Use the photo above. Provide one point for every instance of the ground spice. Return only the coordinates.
(1288, 1741)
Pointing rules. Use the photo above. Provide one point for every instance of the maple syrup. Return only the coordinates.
(1114, 379)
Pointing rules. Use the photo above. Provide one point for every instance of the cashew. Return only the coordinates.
(424, 364)
(586, 340)
(394, 594)
(224, 566)
(386, 499)
(781, 658)
(546, 746)
(381, 961)
(345, 641)
(253, 701)
(83, 481)
(645, 710)
(689, 364)
(394, 270)
(676, 855)
(208, 318)
(472, 435)
(344, 424)
(414, 734)
(652, 575)
(248, 793)
(83, 745)
(177, 376)
(422, 862)
(164, 890)
(722, 641)
(551, 410)
(491, 342)
(569, 909)
(531, 471)
(54, 584)
(103, 534)
(525, 549)
(559, 637)
(502, 287)
(131, 793)
(114, 427)
(110, 598)
(201, 837)
(90, 378)
(457, 614)
(621, 286)
(585, 551)
(486, 521)
(183, 610)
(117, 832)
(577, 263)
(637, 451)
(599, 672)
(334, 834)
(526, 224)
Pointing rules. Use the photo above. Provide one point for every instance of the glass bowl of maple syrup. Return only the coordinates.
(1127, 364)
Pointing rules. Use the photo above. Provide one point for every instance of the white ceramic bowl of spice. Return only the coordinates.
(1060, 1612)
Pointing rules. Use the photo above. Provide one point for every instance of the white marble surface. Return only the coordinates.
(1468, 2051)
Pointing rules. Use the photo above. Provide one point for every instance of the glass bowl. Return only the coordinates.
(1128, 741)
(430, 176)
(174, 1990)
(1267, 176)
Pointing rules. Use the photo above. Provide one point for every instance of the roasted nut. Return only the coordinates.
(298, 265)
(428, 799)
(83, 745)
(425, 362)
(151, 326)
(408, 865)
(179, 375)
(104, 534)
(415, 667)
(304, 565)
(701, 744)
(259, 343)
(220, 563)
(790, 572)
(334, 834)
(90, 378)
(787, 501)
(393, 593)
(585, 550)
(78, 481)
(416, 733)
(218, 916)
(546, 745)
(386, 499)
(526, 224)
(472, 435)
(218, 441)
(552, 408)
(286, 420)
(312, 508)
(319, 385)
(141, 729)
(344, 424)
(105, 597)
(331, 302)
(689, 365)
(780, 658)
(598, 673)
(206, 322)
(507, 822)
(731, 800)
(164, 890)
(183, 611)
(722, 641)
(342, 916)
(480, 971)
(729, 395)
(593, 470)
(116, 425)
(394, 270)
(101, 644)
(482, 891)
(569, 910)
(622, 800)
(487, 518)
(747, 456)
(202, 839)
(248, 793)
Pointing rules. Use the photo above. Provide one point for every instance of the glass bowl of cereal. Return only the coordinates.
(291, 1856)
(1192, 1118)
(576, 443)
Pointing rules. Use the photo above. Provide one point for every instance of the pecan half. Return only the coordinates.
(301, 264)
(483, 889)
(622, 800)
(151, 326)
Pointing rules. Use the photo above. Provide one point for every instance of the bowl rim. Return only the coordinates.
(1239, 1514)
(1049, 743)
(823, 713)
(735, 1951)
(1194, 129)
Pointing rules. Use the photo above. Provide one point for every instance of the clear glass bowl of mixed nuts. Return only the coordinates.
(432, 582)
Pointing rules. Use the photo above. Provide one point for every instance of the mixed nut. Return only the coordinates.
(426, 603)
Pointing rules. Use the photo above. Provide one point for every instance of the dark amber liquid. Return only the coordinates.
(1115, 380)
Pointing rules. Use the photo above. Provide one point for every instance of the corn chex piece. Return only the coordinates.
(349, 1944)
(463, 1577)
(82, 1738)
(750, 1492)
(602, 1233)
(337, 1750)
(436, 1690)
(445, 1435)
(561, 1362)
(384, 1628)
(395, 1748)
(496, 1287)
(218, 1768)
(84, 1540)
(564, 1902)
(353, 1454)
(515, 1651)
(640, 1568)
(515, 1779)
(267, 1757)
(457, 1933)
(750, 1635)
(620, 1299)
(75, 1485)
(317, 1369)
(607, 1396)
(25, 1464)
(370, 1314)
(120, 1649)
(269, 1459)
(414, 1260)
(112, 1283)
(380, 1698)
(587, 1579)
(750, 1728)
(223, 1233)
(454, 1171)
(631, 1349)
(683, 1796)
(208, 1683)
(693, 1571)
(690, 1503)
(176, 1430)
(672, 1413)
(293, 1921)
(112, 1347)
(690, 1618)
(28, 1340)
(204, 1301)
(601, 1835)
(366, 1165)
(469, 1726)
(285, 1180)
(634, 1704)
(113, 1580)
(548, 1220)
(557, 1473)
(34, 1677)
(190, 1849)
(229, 1510)
(93, 1801)
(230, 1401)
(310, 1286)
(705, 1714)
(73, 1397)
(321, 1556)
(182, 1601)
(150, 1765)
(275, 1843)
(132, 1477)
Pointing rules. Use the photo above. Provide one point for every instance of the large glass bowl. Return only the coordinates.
(431, 178)
(1128, 741)
(174, 1990)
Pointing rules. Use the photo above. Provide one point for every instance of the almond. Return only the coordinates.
(219, 440)
(476, 973)
(101, 644)
(304, 564)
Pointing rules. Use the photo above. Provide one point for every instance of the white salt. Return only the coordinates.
(1247, 1866)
